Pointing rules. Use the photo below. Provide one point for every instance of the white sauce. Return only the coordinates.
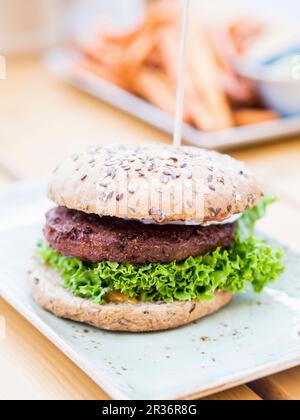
(285, 68)
(230, 219)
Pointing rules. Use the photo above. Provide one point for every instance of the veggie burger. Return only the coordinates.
(147, 238)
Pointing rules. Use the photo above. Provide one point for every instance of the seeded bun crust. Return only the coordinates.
(46, 289)
(155, 183)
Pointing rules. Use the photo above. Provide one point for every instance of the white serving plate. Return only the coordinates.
(62, 62)
(253, 337)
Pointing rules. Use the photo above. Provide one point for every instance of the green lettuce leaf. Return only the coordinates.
(247, 222)
(248, 261)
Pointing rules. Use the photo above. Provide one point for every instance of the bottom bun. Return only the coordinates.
(46, 289)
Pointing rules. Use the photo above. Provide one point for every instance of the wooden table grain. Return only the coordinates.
(42, 120)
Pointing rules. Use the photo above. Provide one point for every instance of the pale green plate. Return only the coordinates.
(254, 336)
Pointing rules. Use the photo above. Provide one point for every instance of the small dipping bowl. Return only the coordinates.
(276, 80)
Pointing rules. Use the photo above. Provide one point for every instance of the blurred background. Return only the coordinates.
(71, 72)
(33, 24)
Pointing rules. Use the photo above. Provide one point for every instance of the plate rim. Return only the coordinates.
(103, 381)
(100, 378)
(62, 345)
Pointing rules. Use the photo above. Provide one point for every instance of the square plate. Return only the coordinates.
(254, 336)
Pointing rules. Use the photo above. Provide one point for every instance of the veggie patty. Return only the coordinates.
(92, 238)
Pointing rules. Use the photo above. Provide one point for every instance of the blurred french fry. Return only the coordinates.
(204, 73)
(102, 72)
(167, 38)
(103, 54)
(123, 39)
(154, 86)
(238, 89)
(162, 12)
(144, 61)
(196, 110)
(197, 113)
(244, 31)
(251, 116)
(137, 52)
(145, 42)
(154, 59)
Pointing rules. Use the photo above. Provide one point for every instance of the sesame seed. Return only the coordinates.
(189, 203)
(126, 167)
(102, 196)
(156, 212)
(174, 175)
(244, 174)
(111, 173)
(164, 179)
(221, 180)
(119, 197)
(160, 214)
(211, 187)
(214, 211)
(237, 197)
(151, 167)
(75, 158)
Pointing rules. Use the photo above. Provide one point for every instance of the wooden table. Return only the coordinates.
(41, 121)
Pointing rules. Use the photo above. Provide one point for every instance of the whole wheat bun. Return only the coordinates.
(46, 289)
(156, 183)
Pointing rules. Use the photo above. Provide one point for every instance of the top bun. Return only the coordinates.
(155, 183)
